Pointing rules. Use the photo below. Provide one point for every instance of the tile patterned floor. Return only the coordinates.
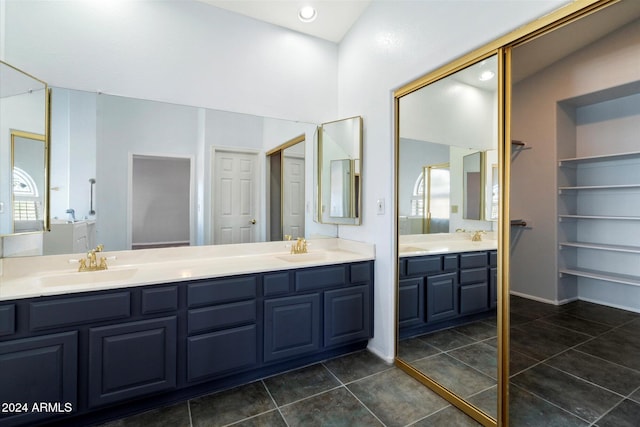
(573, 365)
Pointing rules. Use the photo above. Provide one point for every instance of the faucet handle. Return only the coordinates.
(99, 248)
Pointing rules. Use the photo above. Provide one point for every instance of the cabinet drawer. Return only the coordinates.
(450, 262)
(159, 299)
(474, 298)
(221, 291)
(72, 311)
(7, 319)
(360, 272)
(221, 316)
(217, 353)
(473, 275)
(275, 284)
(318, 278)
(473, 259)
(424, 265)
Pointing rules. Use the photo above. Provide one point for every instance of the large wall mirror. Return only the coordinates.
(23, 152)
(105, 149)
(340, 172)
(447, 134)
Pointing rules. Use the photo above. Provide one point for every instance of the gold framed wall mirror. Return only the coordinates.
(543, 280)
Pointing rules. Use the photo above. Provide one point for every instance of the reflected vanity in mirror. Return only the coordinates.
(447, 247)
(24, 107)
(340, 171)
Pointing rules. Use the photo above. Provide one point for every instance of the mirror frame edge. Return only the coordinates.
(46, 224)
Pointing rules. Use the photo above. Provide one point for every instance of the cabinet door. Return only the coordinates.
(347, 315)
(131, 359)
(411, 304)
(493, 287)
(474, 298)
(442, 297)
(221, 352)
(39, 370)
(291, 326)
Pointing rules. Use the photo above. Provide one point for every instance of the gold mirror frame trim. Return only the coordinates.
(502, 47)
(358, 203)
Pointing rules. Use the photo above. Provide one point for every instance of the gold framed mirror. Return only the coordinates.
(24, 148)
(447, 319)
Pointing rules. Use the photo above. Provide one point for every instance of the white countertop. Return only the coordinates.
(57, 274)
(444, 243)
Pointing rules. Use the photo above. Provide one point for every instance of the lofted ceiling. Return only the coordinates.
(333, 21)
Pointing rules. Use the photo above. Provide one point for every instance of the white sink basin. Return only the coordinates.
(310, 256)
(87, 277)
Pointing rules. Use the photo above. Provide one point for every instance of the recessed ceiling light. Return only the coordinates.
(307, 14)
(486, 75)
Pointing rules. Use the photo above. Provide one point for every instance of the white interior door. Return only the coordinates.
(235, 198)
(293, 197)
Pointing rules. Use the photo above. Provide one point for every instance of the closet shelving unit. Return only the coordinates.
(600, 201)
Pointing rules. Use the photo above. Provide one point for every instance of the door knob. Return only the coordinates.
(253, 221)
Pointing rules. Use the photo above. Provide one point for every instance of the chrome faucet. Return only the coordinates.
(90, 263)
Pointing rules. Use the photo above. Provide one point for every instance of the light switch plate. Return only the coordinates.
(380, 207)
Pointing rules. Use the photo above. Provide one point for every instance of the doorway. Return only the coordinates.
(160, 201)
(286, 190)
(235, 197)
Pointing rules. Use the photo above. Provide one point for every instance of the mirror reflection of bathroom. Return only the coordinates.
(447, 238)
(286, 190)
(29, 181)
(340, 158)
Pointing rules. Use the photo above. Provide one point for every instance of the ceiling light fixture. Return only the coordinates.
(307, 14)
(486, 75)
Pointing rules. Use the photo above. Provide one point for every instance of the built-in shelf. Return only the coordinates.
(602, 158)
(602, 247)
(602, 275)
(600, 217)
(599, 187)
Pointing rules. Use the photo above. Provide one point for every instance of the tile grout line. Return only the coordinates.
(274, 402)
(549, 402)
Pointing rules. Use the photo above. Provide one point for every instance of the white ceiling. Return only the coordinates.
(334, 20)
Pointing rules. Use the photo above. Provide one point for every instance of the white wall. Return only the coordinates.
(192, 53)
(180, 51)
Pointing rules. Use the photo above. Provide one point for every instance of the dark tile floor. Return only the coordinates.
(572, 365)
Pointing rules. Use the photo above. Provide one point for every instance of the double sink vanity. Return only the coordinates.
(163, 325)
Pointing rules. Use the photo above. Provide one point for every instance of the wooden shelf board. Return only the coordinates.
(601, 275)
(603, 247)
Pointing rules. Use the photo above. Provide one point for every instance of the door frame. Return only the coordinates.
(258, 195)
(192, 191)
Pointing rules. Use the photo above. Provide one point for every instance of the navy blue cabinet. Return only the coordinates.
(411, 302)
(347, 315)
(435, 290)
(109, 353)
(291, 326)
(38, 370)
(132, 359)
(442, 297)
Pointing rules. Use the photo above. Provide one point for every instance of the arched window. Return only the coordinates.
(26, 201)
